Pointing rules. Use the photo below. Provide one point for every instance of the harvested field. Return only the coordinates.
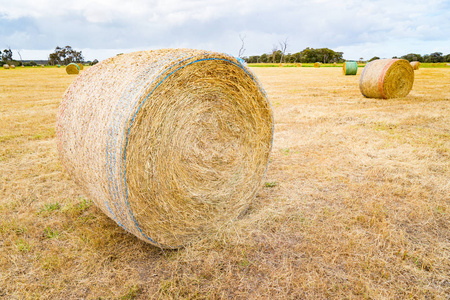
(355, 203)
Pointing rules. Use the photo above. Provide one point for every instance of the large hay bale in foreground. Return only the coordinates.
(386, 78)
(415, 65)
(5, 66)
(171, 144)
(350, 68)
(72, 69)
(80, 66)
(317, 65)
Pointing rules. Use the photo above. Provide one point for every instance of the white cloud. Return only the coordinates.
(381, 27)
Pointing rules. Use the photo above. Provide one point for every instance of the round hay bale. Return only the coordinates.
(350, 68)
(415, 65)
(58, 66)
(42, 66)
(12, 66)
(5, 66)
(335, 64)
(299, 65)
(23, 66)
(81, 67)
(171, 144)
(317, 65)
(72, 69)
(386, 78)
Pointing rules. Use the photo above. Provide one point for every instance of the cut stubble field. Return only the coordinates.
(355, 203)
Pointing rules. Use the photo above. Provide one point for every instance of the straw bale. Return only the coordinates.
(5, 66)
(335, 64)
(171, 144)
(81, 67)
(350, 68)
(299, 65)
(12, 66)
(42, 66)
(317, 65)
(386, 78)
(72, 69)
(415, 65)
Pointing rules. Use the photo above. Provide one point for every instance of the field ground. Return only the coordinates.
(355, 204)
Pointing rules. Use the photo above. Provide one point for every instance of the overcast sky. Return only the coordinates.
(103, 28)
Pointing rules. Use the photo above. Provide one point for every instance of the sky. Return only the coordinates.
(104, 28)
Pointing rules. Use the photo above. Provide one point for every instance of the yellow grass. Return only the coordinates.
(355, 203)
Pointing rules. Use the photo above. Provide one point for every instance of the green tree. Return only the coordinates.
(436, 57)
(374, 58)
(65, 56)
(412, 57)
(7, 55)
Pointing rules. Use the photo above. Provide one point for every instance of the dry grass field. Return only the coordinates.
(355, 204)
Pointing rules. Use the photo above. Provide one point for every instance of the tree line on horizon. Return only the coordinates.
(325, 55)
(66, 55)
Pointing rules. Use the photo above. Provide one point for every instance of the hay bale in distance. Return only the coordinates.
(5, 66)
(42, 66)
(299, 65)
(12, 66)
(80, 66)
(415, 65)
(317, 65)
(171, 144)
(386, 78)
(72, 69)
(350, 68)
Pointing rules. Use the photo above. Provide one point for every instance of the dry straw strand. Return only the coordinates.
(350, 68)
(72, 69)
(171, 144)
(317, 65)
(415, 65)
(386, 78)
